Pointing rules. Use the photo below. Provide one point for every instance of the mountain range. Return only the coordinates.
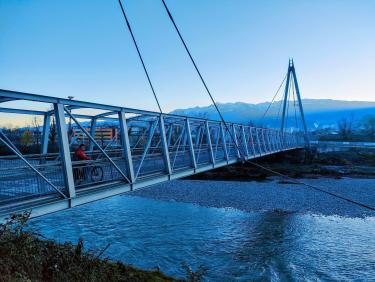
(319, 113)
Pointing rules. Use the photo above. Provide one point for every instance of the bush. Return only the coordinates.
(26, 256)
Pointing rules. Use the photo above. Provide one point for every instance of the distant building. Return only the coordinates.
(103, 135)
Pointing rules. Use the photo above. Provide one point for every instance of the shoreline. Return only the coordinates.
(274, 195)
(356, 163)
(28, 256)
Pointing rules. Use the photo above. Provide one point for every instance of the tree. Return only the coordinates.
(345, 128)
(369, 125)
(36, 126)
(52, 133)
(26, 138)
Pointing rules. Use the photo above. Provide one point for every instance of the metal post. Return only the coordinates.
(126, 146)
(258, 141)
(209, 143)
(45, 136)
(235, 140)
(244, 142)
(92, 133)
(274, 144)
(265, 146)
(252, 141)
(269, 139)
(217, 138)
(224, 141)
(170, 130)
(64, 149)
(265, 139)
(184, 140)
(165, 146)
(198, 136)
(191, 144)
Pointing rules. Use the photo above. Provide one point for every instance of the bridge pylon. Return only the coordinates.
(291, 81)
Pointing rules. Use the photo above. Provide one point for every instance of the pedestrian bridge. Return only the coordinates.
(144, 148)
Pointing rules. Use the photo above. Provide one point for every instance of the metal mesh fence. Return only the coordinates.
(19, 181)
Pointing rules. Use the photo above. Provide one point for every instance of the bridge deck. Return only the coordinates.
(145, 148)
(51, 202)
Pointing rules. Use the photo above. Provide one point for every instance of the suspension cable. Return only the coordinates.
(278, 112)
(233, 139)
(273, 99)
(139, 54)
(198, 72)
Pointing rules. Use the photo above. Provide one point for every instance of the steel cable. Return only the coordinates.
(139, 54)
(232, 137)
(273, 99)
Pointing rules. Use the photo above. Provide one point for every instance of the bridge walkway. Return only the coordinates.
(146, 148)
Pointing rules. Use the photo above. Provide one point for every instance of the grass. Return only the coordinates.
(27, 256)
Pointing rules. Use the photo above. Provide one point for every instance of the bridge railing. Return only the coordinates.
(145, 145)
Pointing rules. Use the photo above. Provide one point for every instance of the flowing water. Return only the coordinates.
(230, 244)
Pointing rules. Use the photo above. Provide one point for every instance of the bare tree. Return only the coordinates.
(36, 126)
(345, 128)
(52, 133)
(369, 126)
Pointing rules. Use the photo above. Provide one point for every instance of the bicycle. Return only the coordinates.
(82, 173)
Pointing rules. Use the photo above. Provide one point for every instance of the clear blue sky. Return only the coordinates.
(82, 48)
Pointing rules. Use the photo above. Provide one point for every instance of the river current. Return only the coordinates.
(232, 245)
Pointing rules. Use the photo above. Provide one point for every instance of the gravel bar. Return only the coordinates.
(271, 195)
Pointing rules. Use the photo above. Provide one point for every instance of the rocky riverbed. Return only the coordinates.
(271, 195)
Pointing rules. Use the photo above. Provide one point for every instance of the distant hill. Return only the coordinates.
(319, 113)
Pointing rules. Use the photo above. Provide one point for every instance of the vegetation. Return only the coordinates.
(353, 163)
(369, 126)
(26, 256)
(345, 126)
(348, 130)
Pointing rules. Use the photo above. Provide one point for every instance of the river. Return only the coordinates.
(232, 244)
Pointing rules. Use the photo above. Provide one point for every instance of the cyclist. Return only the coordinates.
(80, 155)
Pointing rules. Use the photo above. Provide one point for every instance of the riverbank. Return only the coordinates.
(349, 174)
(270, 195)
(230, 244)
(354, 163)
(27, 256)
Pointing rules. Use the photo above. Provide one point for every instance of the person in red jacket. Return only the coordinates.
(80, 155)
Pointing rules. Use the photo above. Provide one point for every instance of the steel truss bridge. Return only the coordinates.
(148, 148)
